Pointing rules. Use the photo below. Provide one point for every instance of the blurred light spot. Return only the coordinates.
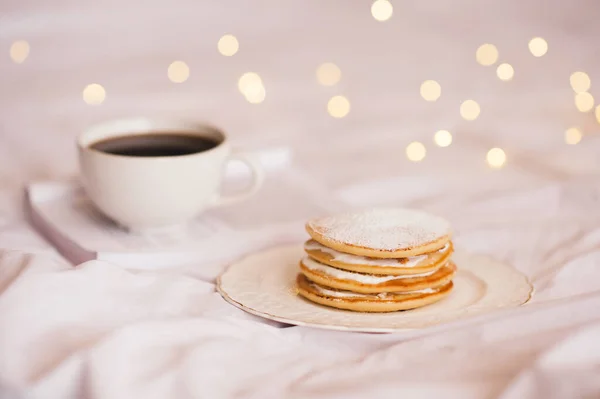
(486, 54)
(496, 158)
(251, 86)
(178, 72)
(248, 79)
(431, 90)
(228, 45)
(505, 72)
(573, 136)
(338, 106)
(255, 93)
(469, 110)
(580, 81)
(598, 113)
(443, 138)
(584, 101)
(94, 94)
(538, 46)
(328, 74)
(19, 51)
(382, 10)
(415, 151)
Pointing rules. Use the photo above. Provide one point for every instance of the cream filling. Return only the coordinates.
(338, 256)
(352, 276)
(350, 294)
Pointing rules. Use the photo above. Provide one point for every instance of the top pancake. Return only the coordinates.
(382, 233)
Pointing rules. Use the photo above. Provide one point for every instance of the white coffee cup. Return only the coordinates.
(149, 192)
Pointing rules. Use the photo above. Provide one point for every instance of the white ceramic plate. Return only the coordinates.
(264, 284)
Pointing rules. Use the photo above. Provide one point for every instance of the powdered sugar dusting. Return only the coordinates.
(386, 229)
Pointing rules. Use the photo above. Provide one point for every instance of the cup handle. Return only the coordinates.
(258, 176)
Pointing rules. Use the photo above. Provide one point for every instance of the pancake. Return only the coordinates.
(330, 277)
(388, 302)
(382, 233)
(412, 265)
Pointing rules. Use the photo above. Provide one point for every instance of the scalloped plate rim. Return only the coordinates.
(464, 314)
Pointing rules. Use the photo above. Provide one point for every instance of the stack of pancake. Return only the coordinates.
(379, 260)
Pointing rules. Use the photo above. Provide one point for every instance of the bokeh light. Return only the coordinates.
(573, 136)
(382, 10)
(328, 74)
(248, 79)
(255, 93)
(598, 113)
(178, 72)
(505, 72)
(251, 86)
(486, 54)
(584, 101)
(496, 158)
(19, 51)
(228, 45)
(94, 94)
(580, 82)
(416, 151)
(442, 138)
(431, 90)
(538, 46)
(338, 106)
(470, 110)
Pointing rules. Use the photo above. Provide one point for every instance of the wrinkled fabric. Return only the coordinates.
(99, 331)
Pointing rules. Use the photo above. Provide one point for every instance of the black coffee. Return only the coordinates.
(155, 145)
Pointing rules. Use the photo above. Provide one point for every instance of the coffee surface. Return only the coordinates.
(155, 145)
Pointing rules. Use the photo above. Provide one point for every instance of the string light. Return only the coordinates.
(328, 74)
(486, 54)
(584, 101)
(338, 106)
(228, 45)
(19, 51)
(442, 138)
(431, 90)
(470, 110)
(255, 93)
(538, 46)
(580, 82)
(251, 86)
(178, 72)
(248, 79)
(505, 72)
(382, 10)
(416, 151)
(94, 94)
(496, 158)
(573, 136)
